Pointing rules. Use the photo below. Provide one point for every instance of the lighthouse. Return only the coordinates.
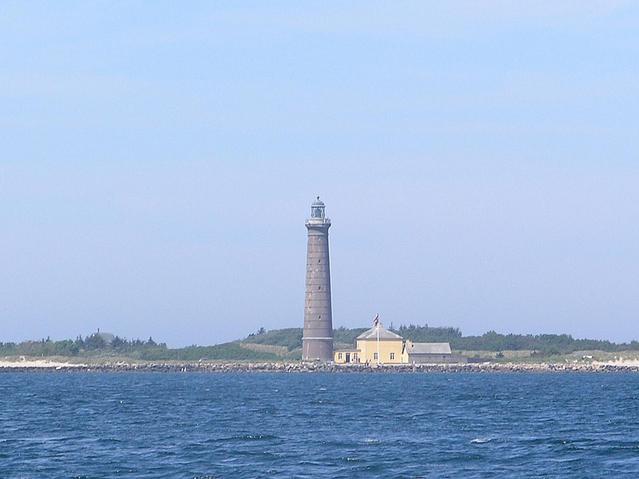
(317, 341)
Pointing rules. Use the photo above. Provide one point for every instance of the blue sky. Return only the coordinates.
(478, 160)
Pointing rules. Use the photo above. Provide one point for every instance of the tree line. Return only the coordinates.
(94, 343)
(542, 344)
(291, 338)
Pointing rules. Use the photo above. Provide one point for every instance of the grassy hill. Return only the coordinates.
(291, 338)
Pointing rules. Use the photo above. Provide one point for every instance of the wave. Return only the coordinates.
(480, 440)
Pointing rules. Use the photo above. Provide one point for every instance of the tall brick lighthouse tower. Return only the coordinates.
(317, 342)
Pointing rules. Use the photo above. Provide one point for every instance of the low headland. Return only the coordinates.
(280, 351)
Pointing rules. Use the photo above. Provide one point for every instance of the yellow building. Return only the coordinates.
(375, 346)
(381, 346)
(346, 356)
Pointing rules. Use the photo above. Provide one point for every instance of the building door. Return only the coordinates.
(348, 357)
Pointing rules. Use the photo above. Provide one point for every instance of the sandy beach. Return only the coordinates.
(38, 364)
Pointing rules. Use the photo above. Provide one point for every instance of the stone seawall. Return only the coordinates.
(301, 367)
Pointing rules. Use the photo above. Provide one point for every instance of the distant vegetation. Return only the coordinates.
(287, 343)
(233, 351)
(290, 338)
(542, 344)
(96, 345)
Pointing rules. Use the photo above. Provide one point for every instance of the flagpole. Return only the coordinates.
(377, 329)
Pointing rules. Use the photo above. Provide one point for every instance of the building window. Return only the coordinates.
(339, 355)
(392, 356)
(374, 355)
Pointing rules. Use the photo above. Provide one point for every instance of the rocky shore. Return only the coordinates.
(303, 367)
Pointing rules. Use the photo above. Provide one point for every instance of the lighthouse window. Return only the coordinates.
(319, 287)
(319, 317)
(392, 355)
(374, 355)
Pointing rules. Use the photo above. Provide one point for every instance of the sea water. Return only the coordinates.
(247, 425)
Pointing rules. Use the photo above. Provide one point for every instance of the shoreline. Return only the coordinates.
(41, 365)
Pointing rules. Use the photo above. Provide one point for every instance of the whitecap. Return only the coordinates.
(480, 440)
